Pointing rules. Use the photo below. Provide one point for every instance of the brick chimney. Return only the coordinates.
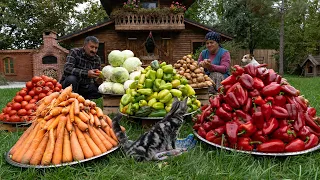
(49, 38)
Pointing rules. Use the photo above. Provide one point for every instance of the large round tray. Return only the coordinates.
(109, 94)
(259, 153)
(152, 118)
(16, 123)
(8, 159)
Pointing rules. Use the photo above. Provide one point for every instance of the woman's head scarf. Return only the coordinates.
(213, 36)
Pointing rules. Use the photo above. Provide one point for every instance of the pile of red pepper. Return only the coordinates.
(258, 110)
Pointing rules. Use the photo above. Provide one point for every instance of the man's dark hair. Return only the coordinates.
(92, 39)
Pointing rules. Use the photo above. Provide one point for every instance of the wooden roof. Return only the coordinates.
(109, 22)
(315, 60)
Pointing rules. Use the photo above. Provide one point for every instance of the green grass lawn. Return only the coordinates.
(203, 162)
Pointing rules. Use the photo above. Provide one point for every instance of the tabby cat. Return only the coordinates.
(161, 137)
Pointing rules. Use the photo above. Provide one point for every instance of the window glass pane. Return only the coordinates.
(49, 60)
(100, 52)
(12, 70)
(149, 5)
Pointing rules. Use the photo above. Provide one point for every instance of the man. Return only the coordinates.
(82, 69)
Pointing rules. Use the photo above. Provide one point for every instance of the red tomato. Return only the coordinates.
(27, 98)
(49, 84)
(40, 83)
(29, 85)
(18, 98)
(35, 79)
(42, 95)
(59, 85)
(6, 117)
(30, 106)
(22, 112)
(49, 93)
(31, 93)
(16, 106)
(24, 118)
(33, 101)
(57, 89)
(14, 118)
(22, 93)
(8, 109)
(1, 116)
(12, 112)
(54, 81)
(25, 89)
(36, 97)
(24, 103)
(4, 110)
(9, 104)
(38, 90)
(30, 112)
(46, 89)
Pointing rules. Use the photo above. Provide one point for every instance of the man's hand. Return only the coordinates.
(93, 73)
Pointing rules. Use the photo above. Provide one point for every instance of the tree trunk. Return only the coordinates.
(281, 48)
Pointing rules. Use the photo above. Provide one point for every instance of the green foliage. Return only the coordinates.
(196, 55)
(3, 80)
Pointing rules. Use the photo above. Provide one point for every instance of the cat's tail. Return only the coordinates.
(122, 137)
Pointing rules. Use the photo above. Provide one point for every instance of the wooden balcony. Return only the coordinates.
(145, 22)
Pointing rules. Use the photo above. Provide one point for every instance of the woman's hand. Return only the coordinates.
(206, 64)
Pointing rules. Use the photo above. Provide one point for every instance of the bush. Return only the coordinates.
(3, 80)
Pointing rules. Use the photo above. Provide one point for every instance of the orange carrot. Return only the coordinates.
(96, 139)
(66, 110)
(74, 95)
(93, 104)
(55, 111)
(99, 112)
(103, 123)
(81, 99)
(112, 141)
(81, 125)
(44, 112)
(71, 112)
(69, 124)
(123, 129)
(83, 117)
(48, 117)
(40, 119)
(113, 135)
(93, 111)
(40, 109)
(22, 138)
(97, 121)
(64, 95)
(106, 130)
(76, 150)
(51, 97)
(17, 156)
(109, 121)
(105, 142)
(47, 155)
(95, 149)
(83, 143)
(34, 145)
(48, 123)
(76, 107)
(67, 154)
(55, 123)
(66, 102)
(57, 152)
(86, 114)
(37, 155)
(91, 118)
(87, 102)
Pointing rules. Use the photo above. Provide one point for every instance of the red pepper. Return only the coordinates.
(210, 136)
(292, 111)
(243, 116)
(278, 79)
(302, 104)
(310, 122)
(266, 110)
(262, 73)
(269, 126)
(247, 129)
(254, 93)
(221, 141)
(257, 83)
(299, 122)
(259, 136)
(258, 119)
(280, 100)
(237, 70)
(207, 126)
(287, 89)
(270, 77)
(244, 143)
(247, 105)
(226, 116)
(271, 146)
(269, 100)
(246, 81)
(259, 101)
(294, 146)
(250, 69)
(313, 131)
(232, 132)
(231, 99)
(272, 89)
(312, 142)
(279, 112)
(232, 88)
(226, 107)
(205, 114)
(290, 99)
(216, 122)
(304, 133)
(229, 80)
(206, 105)
(312, 111)
(241, 94)
(215, 101)
(202, 132)
(284, 133)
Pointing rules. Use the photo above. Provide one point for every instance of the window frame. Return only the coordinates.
(197, 41)
(56, 59)
(10, 63)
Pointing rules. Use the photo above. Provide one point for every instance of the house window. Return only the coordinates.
(49, 60)
(101, 53)
(149, 5)
(196, 46)
(8, 65)
(310, 69)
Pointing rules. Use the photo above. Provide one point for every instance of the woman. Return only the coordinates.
(215, 60)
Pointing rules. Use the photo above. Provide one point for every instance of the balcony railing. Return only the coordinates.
(147, 22)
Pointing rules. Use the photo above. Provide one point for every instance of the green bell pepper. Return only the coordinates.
(167, 77)
(143, 103)
(155, 88)
(151, 74)
(152, 101)
(155, 64)
(189, 101)
(184, 81)
(142, 78)
(194, 107)
(129, 109)
(176, 76)
(141, 97)
(168, 108)
(146, 92)
(166, 86)
(140, 86)
(198, 103)
(168, 69)
(136, 78)
(175, 83)
(163, 64)
(184, 90)
(167, 98)
(158, 105)
(126, 99)
(189, 109)
(163, 93)
(176, 93)
(158, 113)
(154, 95)
(157, 82)
(148, 83)
(134, 85)
(144, 71)
(135, 107)
(133, 93)
(169, 103)
(159, 73)
(190, 90)
(121, 107)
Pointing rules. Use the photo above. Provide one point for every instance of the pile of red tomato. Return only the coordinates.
(22, 106)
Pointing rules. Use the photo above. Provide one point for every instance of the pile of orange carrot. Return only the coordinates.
(67, 128)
